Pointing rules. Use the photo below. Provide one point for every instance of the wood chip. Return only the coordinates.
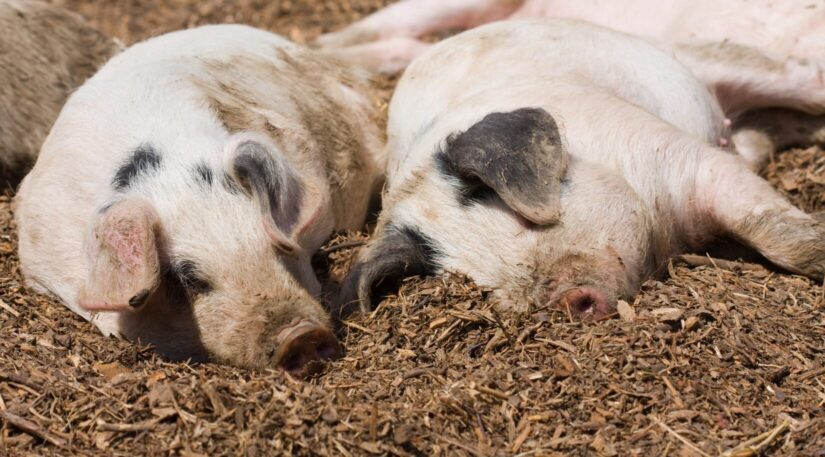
(626, 312)
(32, 428)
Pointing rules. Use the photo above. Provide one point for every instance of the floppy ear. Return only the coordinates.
(268, 177)
(122, 253)
(519, 155)
(392, 255)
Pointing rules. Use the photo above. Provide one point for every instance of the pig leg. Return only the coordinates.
(745, 79)
(738, 203)
(387, 41)
(388, 56)
(415, 18)
(759, 134)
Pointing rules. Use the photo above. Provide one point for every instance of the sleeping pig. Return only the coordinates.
(45, 53)
(183, 189)
(561, 164)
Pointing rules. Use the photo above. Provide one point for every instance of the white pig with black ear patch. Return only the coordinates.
(46, 52)
(561, 164)
(184, 188)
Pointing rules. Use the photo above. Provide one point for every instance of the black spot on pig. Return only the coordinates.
(398, 253)
(518, 156)
(230, 184)
(270, 179)
(144, 161)
(187, 274)
(204, 175)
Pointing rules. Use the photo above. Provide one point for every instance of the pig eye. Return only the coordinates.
(474, 191)
(185, 273)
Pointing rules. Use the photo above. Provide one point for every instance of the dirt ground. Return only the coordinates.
(716, 359)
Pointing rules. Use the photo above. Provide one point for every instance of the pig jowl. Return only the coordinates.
(561, 164)
(180, 195)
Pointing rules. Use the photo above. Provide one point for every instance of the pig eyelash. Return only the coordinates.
(186, 273)
(471, 192)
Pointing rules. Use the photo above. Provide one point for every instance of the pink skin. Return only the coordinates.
(304, 344)
(123, 253)
(388, 40)
(586, 303)
(794, 25)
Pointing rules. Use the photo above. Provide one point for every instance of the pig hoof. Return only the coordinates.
(586, 303)
(303, 348)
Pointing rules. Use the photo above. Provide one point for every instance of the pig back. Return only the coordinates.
(512, 64)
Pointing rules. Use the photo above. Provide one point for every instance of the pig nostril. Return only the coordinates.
(586, 302)
(583, 305)
(327, 351)
(305, 344)
(292, 363)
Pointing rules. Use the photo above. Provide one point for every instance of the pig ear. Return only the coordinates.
(267, 176)
(394, 254)
(519, 155)
(124, 268)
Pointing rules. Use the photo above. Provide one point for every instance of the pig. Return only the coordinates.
(788, 36)
(389, 39)
(183, 189)
(560, 164)
(45, 53)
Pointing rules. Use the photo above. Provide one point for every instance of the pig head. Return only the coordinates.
(490, 205)
(189, 223)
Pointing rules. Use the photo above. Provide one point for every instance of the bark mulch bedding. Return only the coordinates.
(719, 358)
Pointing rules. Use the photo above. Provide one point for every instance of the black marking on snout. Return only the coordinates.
(145, 160)
(426, 250)
(398, 252)
(188, 275)
(204, 175)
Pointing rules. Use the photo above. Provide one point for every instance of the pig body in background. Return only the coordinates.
(561, 163)
(750, 42)
(184, 188)
(45, 53)
(388, 39)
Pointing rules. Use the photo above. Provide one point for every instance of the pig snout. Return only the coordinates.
(304, 346)
(587, 303)
(587, 286)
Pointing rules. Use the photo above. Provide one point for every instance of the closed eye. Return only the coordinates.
(188, 276)
(474, 191)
